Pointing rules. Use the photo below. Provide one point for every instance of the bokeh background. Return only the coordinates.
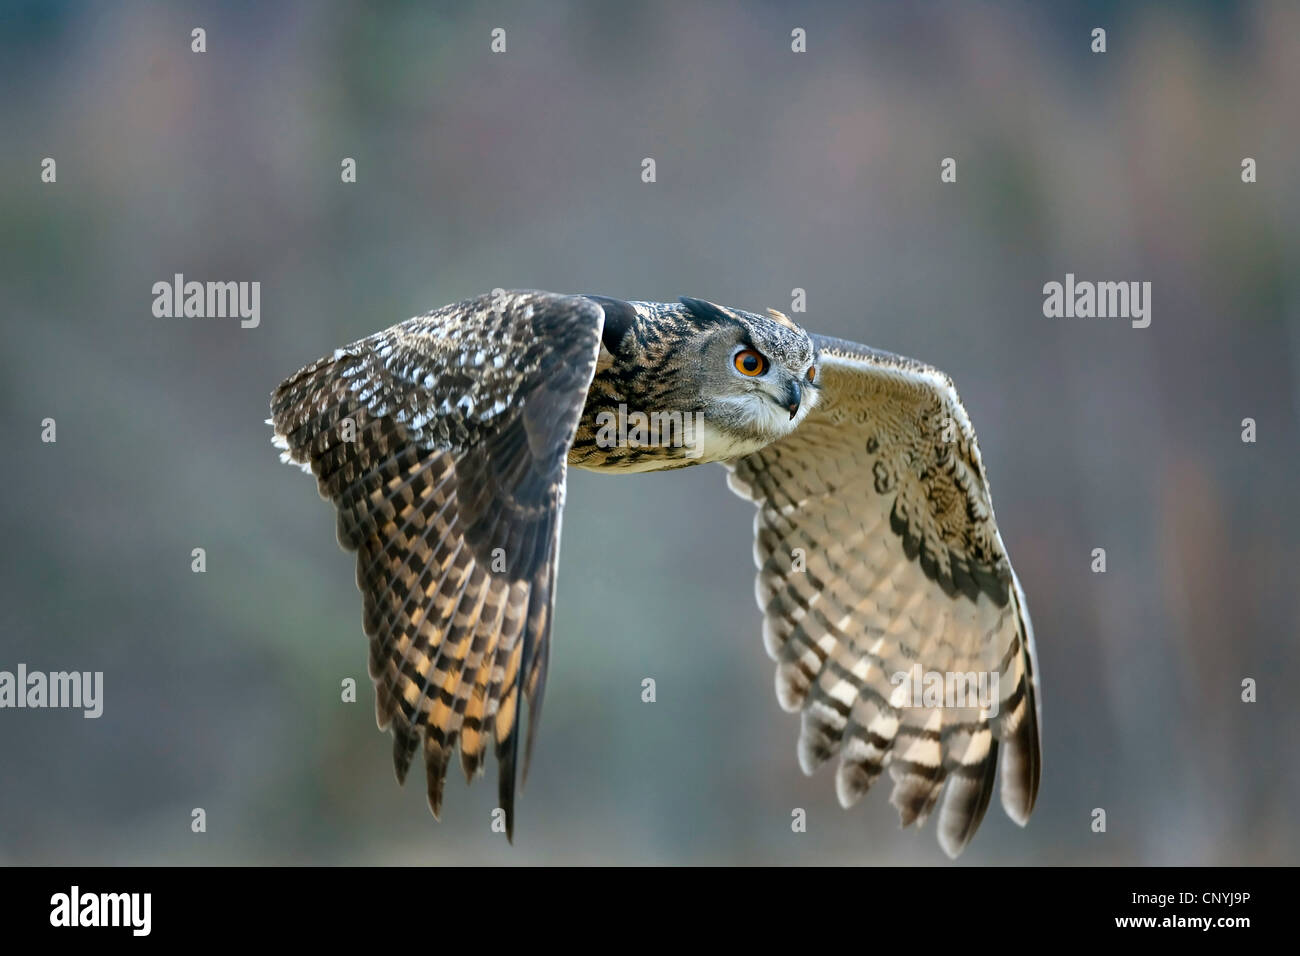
(522, 170)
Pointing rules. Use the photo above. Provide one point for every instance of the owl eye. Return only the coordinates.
(749, 362)
(812, 373)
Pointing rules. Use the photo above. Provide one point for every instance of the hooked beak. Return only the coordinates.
(793, 396)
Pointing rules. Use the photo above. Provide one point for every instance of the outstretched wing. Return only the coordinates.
(442, 442)
(878, 556)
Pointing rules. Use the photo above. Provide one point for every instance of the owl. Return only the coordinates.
(898, 628)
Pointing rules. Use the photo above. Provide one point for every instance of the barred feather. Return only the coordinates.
(442, 442)
(877, 554)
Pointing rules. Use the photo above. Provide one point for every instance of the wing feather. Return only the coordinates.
(442, 442)
(879, 558)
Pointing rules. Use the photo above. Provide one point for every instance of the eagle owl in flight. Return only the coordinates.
(444, 443)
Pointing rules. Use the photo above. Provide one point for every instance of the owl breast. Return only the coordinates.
(626, 427)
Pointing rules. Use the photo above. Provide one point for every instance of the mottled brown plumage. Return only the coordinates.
(882, 492)
(443, 443)
(451, 494)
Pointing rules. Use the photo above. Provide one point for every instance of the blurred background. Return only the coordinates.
(775, 171)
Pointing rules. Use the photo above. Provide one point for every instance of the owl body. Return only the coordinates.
(444, 444)
(659, 397)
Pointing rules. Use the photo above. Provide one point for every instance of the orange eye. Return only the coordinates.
(749, 362)
(812, 373)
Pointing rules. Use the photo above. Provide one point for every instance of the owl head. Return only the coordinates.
(756, 374)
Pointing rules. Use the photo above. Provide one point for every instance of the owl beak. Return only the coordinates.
(793, 396)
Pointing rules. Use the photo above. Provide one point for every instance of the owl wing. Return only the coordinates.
(878, 556)
(449, 483)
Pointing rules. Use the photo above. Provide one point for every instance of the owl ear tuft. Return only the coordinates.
(780, 318)
(707, 312)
